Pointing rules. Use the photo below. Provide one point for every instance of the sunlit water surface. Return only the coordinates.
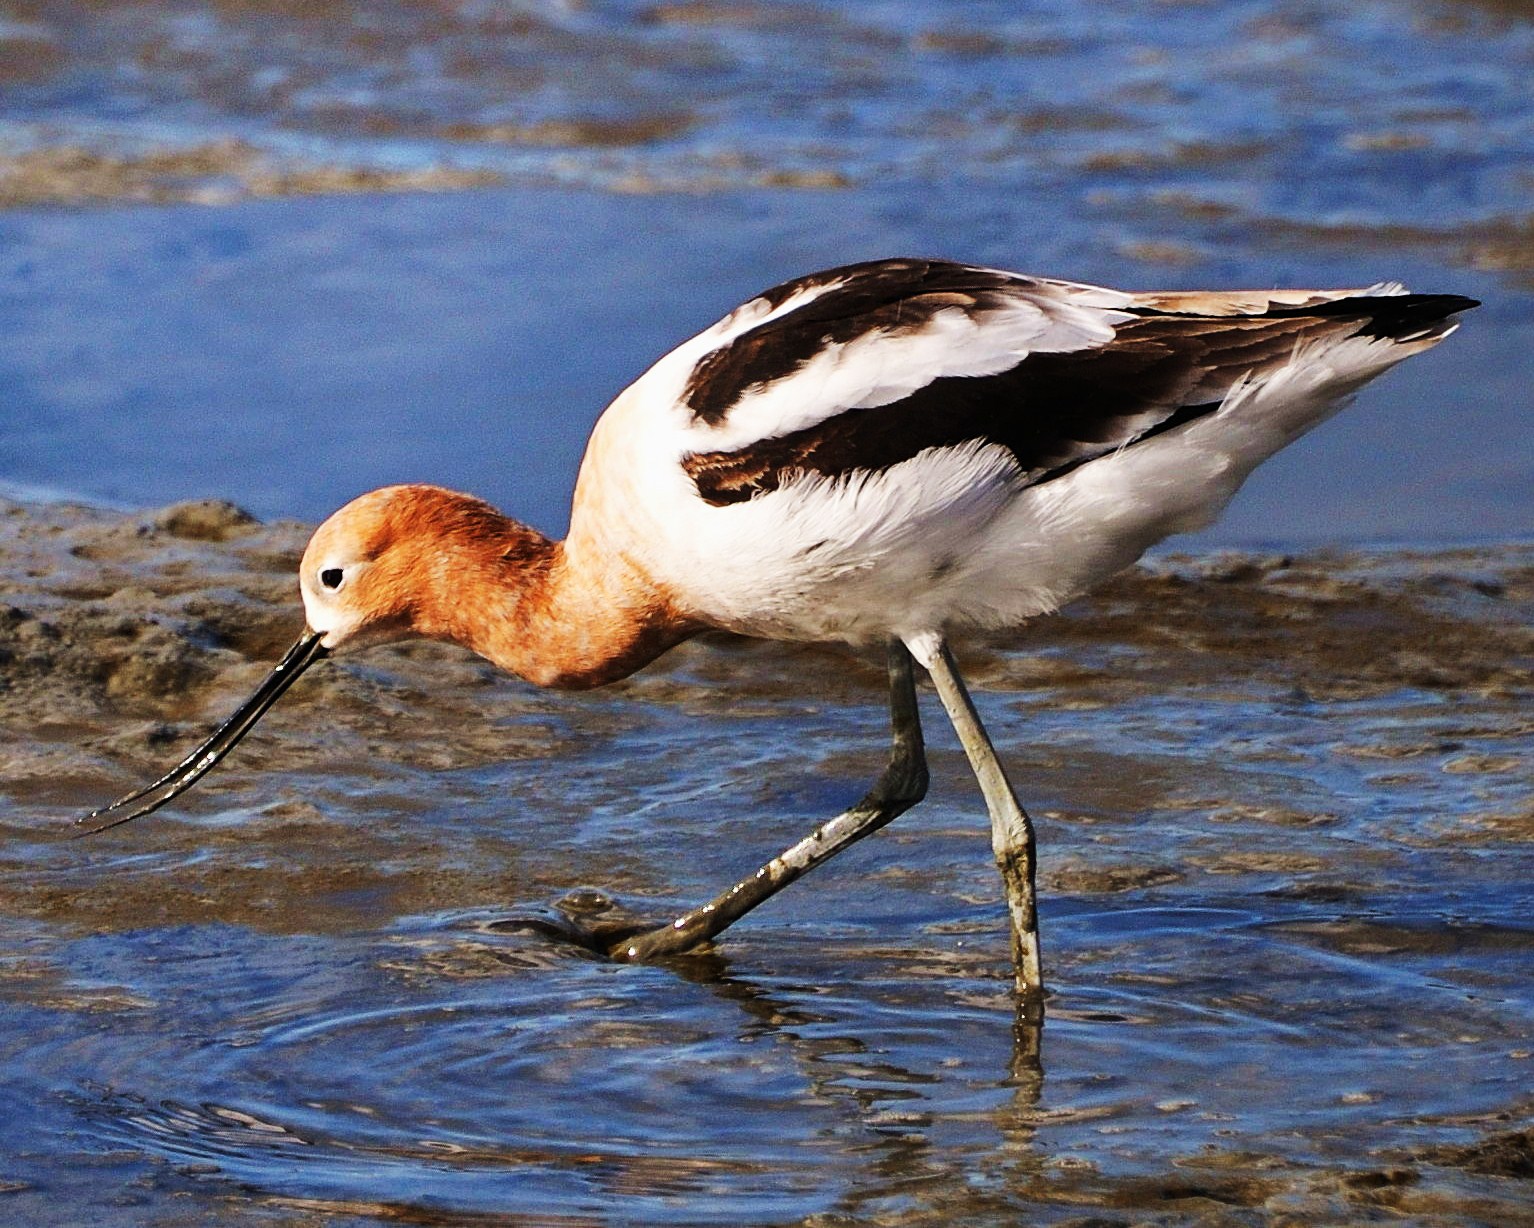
(1286, 902)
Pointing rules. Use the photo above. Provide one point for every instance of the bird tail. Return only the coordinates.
(1389, 312)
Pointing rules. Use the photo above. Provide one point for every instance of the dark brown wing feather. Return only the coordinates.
(1052, 411)
(890, 296)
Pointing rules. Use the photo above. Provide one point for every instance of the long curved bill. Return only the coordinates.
(190, 770)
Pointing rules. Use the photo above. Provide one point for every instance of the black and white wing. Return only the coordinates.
(847, 373)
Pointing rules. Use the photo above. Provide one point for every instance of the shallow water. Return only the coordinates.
(279, 253)
(1285, 822)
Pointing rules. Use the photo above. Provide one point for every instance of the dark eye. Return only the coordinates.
(331, 577)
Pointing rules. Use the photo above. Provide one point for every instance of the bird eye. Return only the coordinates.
(331, 577)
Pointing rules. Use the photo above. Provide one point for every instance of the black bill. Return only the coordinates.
(190, 770)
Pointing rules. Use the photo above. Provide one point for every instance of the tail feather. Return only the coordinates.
(1387, 311)
(1398, 317)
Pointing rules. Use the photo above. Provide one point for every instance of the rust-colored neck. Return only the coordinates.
(560, 614)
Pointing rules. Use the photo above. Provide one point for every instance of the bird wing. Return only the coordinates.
(852, 371)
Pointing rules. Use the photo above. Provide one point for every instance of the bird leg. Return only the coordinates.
(902, 785)
(1012, 838)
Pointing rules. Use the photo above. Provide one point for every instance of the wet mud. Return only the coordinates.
(219, 173)
(1286, 833)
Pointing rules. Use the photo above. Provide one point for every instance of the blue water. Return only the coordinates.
(290, 353)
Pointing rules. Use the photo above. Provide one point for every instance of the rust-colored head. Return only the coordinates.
(391, 564)
(401, 561)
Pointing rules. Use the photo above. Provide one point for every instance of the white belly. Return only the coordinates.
(956, 536)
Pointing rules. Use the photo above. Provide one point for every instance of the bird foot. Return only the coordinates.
(586, 918)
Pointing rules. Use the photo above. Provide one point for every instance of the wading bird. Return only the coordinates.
(885, 452)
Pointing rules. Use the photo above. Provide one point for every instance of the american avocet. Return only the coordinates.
(889, 451)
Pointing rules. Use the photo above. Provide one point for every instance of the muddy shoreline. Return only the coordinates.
(136, 629)
(124, 637)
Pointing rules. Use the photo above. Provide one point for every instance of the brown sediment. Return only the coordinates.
(27, 57)
(1084, 878)
(122, 637)
(966, 44)
(1215, 1187)
(212, 520)
(597, 132)
(1161, 252)
(217, 172)
(748, 14)
(1327, 626)
(1508, 1153)
(1513, 824)
(1501, 244)
(1182, 154)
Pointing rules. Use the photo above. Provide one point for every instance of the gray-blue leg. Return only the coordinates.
(1012, 838)
(903, 784)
